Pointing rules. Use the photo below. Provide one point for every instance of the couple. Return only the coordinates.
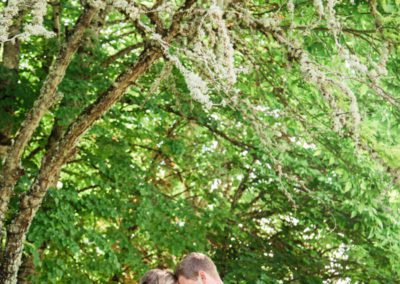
(195, 268)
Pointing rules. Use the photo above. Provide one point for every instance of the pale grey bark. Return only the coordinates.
(11, 168)
(10, 61)
(11, 49)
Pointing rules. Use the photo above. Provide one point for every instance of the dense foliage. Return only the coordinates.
(264, 133)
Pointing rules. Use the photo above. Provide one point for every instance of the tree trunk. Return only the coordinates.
(26, 270)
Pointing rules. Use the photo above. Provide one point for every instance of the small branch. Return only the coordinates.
(88, 188)
(241, 188)
(121, 53)
(34, 152)
(154, 18)
(57, 18)
(213, 130)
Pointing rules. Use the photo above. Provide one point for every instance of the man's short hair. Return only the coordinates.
(193, 263)
(158, 276)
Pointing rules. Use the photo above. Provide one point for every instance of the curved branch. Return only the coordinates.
(47, 97)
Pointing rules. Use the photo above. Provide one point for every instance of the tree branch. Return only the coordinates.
(11, 168)
(121, 53)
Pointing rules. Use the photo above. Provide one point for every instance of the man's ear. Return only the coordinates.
(203, 276)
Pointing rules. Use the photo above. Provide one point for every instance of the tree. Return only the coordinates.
(264, 134)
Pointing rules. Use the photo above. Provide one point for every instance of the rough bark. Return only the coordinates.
(10, 63)
(11, 49)
(11, 167)
(57, 18)
(26, 270)
(98, 23)
(56, 156)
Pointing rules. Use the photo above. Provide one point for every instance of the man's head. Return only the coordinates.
(158, 276)
(197, 268)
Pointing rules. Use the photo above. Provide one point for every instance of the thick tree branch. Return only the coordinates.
(47, 97)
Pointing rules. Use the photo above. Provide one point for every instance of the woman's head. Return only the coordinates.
(158, 276)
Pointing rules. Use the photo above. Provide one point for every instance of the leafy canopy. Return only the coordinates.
(267, 136)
